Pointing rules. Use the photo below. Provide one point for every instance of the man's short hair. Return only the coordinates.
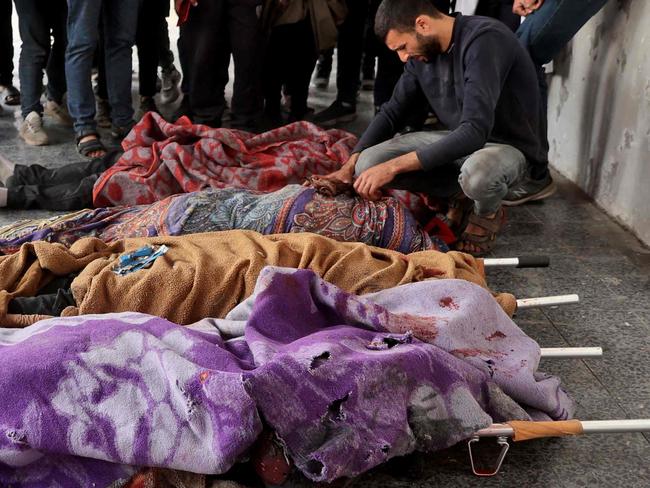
(401, 15)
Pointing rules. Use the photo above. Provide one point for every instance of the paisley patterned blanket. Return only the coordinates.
(294, 208)
(346, 382)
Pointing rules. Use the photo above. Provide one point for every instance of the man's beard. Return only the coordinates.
(428, 45)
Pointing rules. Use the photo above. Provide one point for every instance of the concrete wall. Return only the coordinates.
(599, 112)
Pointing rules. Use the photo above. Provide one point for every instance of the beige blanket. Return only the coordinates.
(206, 275)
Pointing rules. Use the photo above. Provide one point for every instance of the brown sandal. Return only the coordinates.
(483, 243)
(459, 208)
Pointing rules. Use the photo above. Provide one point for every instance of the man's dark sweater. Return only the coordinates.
(484, 88)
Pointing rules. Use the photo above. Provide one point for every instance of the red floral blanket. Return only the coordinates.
(163, 159)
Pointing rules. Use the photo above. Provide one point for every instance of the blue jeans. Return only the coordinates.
(546, 31)
(38, 20)
(484, 176)
(120, 19)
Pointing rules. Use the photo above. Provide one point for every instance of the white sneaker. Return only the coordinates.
(58, 112)
(31, 130)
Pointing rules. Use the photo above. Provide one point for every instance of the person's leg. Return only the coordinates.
(247, 43)
(441, 182)
(301, 68)
(57, 12)
(487, 174)
(348, 71)
(275, 70)
(350, 52)
(204, 43)
(120, 27)
(389, 71)
(147, 44)
(51, 300)
(547, 30)
(33, 24)
(83, 34)
(6, 44)
(66, 188)
(324, 69)
(485, 178)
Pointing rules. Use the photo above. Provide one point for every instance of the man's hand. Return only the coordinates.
(370, 183)
(526, 7)
(346, 173)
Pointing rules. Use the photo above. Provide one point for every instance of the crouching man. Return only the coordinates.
(480, 82)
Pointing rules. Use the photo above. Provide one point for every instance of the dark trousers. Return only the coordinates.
(293, 71)
(6, 44)
(38, 21)
(152, 40)
(214, 30)
(67, 188)
(52, 299)
(350, 51)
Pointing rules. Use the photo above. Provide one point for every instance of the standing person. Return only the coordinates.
(119, 19)
(349, 52)
(152, 15)
(476, 77)
(11, 96)
(304, 28)
(548, 26)
(38, 22)
(213, 30)
(171, 77)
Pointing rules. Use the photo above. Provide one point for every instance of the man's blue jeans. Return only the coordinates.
(546, 31)
(38, 22)
(120, 19)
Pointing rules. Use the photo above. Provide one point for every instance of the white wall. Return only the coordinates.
(599, 112)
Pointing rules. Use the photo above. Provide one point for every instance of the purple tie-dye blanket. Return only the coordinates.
(347, 382)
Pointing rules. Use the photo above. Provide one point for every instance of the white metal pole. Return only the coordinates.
(500, 262)
(525, 303)
(571, 352)
(588, 427)
(518, 262)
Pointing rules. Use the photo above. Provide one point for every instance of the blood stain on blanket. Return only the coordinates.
(469, 352)
(448, 302)
(496, 335)
(424, 328)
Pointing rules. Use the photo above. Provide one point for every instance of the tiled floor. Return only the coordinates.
(592, 256)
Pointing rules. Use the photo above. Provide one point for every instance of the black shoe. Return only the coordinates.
(529, 190)
(147, 104)
(335, 114)
(119, 133)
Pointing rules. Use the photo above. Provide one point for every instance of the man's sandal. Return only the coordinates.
(90, 146)
(479, 245)
(459, 209)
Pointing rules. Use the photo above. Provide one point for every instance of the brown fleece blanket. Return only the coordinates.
(206, 275)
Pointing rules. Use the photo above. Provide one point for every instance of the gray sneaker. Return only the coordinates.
(31, 130)
(170, 91)
(529, 190)
(58, 112)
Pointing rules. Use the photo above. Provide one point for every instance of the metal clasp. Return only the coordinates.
(501, 441)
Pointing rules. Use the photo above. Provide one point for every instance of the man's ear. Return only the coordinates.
(423, 24)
